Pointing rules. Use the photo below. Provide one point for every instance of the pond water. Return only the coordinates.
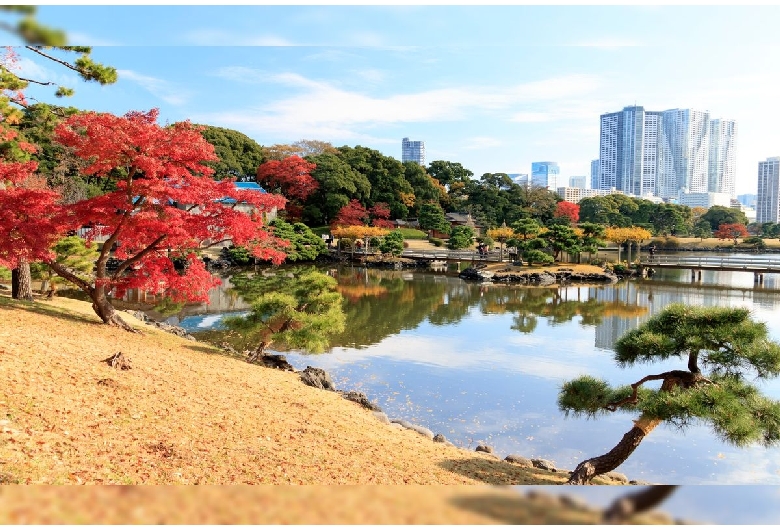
(484, 363)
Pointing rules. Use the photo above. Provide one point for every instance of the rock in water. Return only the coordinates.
(318, 378)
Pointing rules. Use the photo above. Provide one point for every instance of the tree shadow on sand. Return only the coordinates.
(501, 473)
(41, 308)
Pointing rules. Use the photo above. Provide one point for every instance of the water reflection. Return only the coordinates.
(484, 363)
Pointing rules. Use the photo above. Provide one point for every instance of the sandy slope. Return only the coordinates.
(188, 414)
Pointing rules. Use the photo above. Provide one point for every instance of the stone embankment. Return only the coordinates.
(541, 278)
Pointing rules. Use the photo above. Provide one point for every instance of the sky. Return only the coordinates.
(494, 88)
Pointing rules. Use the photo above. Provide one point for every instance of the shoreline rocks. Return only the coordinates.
(537, 278)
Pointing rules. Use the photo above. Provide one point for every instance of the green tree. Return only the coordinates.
(426, 189)
(432, 218)
(528, 228)
(392, 243)
(461, 237)
(338, 184)
(538, 256)
(702, 229)
(564, 238)
(386, 176)
(593, 237)
(670, 219)
(718, 215)
(239, 155)
(72, 252)
(305, 245)
(725, 341)
(299, 312)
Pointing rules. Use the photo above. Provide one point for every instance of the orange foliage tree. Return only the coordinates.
(731, 231)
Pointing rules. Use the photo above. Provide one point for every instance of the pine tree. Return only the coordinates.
(726, 342)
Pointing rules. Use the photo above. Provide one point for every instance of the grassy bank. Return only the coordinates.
(186, 413)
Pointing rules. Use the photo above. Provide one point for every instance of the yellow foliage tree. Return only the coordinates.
(631, 234)
(501, 234)
(353, 233)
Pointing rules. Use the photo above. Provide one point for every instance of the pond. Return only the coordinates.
(484, 363)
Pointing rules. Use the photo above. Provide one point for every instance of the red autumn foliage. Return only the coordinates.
(380, 215)
(731, 231)
(165, 206)
(351, 215)
(28, 224)
(568, 209)
(291, 175)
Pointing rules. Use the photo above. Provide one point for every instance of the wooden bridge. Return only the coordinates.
(737, 262)
(454, 255)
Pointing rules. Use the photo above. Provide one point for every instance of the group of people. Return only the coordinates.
(482, 249)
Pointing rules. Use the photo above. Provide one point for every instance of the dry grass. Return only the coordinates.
(188, 414)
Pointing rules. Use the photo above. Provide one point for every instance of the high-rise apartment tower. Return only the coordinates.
(768, 198)
(413, 151)
(664, 153)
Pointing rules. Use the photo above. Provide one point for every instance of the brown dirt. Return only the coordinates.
(186, 413)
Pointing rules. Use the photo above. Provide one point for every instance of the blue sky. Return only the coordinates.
(492, 87)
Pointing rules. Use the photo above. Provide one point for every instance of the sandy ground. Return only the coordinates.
(186, 414)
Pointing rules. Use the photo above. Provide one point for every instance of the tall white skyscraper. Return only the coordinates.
(722, 170)
(413, 151)
(686, 133)
(661, 153)
(628, 150)
(768, 198)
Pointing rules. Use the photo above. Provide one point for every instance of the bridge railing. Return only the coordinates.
(713, 261)
(453, 255)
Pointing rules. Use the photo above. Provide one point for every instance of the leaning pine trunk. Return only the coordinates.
(599, 465)
(21, 281)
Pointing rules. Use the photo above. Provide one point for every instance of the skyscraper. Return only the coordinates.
(413, 151)
(768, 198)
(545, 174)
(686, 143)
(578, 182)
(722, 170)
(662, 153)
(628, 150)
(594, 174)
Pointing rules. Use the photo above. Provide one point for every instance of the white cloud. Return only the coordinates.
(326, 110)
(454, 354)
(212, 37)
(158, 87)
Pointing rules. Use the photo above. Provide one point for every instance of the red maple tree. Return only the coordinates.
(352, 214)
(165, 207)
(568, 209)
(292, 176)
(731, 231)
(380, 215)
(28, 221)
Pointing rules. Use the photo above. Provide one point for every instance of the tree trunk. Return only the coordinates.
(259, 352)
(106, 311)
(21, 281)
(605, 463)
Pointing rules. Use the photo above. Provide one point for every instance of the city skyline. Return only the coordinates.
(664, 153)
(493, 99)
